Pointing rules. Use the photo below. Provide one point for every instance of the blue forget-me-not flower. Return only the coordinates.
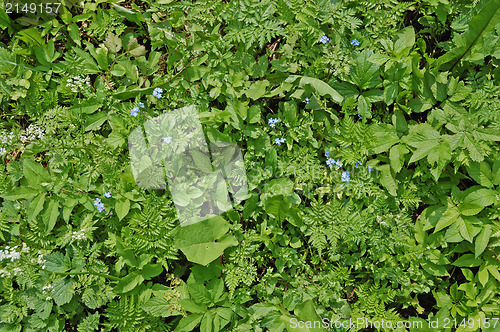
(278, 141)
(355, 42)
(330, 162)
(307, 100)
(324, 39)
(327, 154)
(167, 139)
(107, 194)
(345, 176)
(141, 105)
(356, 164)
(369, 168)
(360, 117)
(339, 163)
(134, 111)
(272, 122)
(157, 92)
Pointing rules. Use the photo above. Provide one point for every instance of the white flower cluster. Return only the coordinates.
(6, 139)
(47, 289)
(10, 253)
(41, 261)
(32, 133)
(76, 83)
(5, 274)
(78, 235)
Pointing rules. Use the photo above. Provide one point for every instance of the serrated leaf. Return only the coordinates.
(188, 323)
(322, 88)
(257, 89)
(387, 180)
(63, 291)
(113, 43)
(482, 240)
(191, 306)
(206, 322)
(54, 262)
(466, 229)
(467, 260)
(22, 192)
(50, 216)
(435, 269)
(151, 270)
(448, 217)
(36, 206)
(481, 173)
(129, 282)
(160, 307)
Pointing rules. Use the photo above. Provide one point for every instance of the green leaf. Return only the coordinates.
(387, 180)
(198, 241)
(188, 323)
(113, 43)
(35, 173)
(257, 89)
(122, 208)
(54, 262)
(191, 306)
(319, 86)
(63, 291)
(476, 201)
(134, 49)
(449, 217)
(482, 240)
(487, 18)
(95, 121)
(474, 147)
(151, 270)
(467, 260)
(466, 229)
(50, 216)
(481, 173)
(129, 282)
(23, 192)
(206, 322)
(435, 269)
(483, 275)
(36, 206)
(365, 73)
(396, 156)
(160, 307)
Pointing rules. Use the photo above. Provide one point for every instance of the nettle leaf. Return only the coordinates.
(365, 73)
(481, 173)
(204, 241)
(63, 291)
(160, 307)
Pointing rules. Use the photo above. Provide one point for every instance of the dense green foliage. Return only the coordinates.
(375, 194)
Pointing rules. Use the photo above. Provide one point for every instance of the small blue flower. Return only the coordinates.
(345, 146)
(324, 39)
(327, 154)
(157, 92)
(97, 201)
(345, 176)
(134, 111)
(108, 194)
(167, 139)
(307, 100)
(339, 163)
(206, 30)
(141, 105)
(100, 207)
(369, 168)
(278, 141)
(360, 117)
(330, 162)
(356, 164)
(355, 42)
(272, 122)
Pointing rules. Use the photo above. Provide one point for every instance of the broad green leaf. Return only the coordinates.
(466, 229)
(364, 74)
(198, 241)
(396, 156)
(485, 21)
(134, 49)
(385, 137)
(322, 88)
(206, 322)
(113, 43)
(35, 173)
(474, 147)
(476, 201)
(95, 121)
(122, 208)
(129, 282)
(257, 89)
(160, 307)
(63, 291)
(467, 260)
(306, 312)
(387, 180)
(435, 269)
(55, 262)
(22, 192)
(151, 270)
(481, 173)
(483, 275)
(36, 206)
(50, 215)
(192, 306)
(482, 240)
(188, 323)
(447, 218)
